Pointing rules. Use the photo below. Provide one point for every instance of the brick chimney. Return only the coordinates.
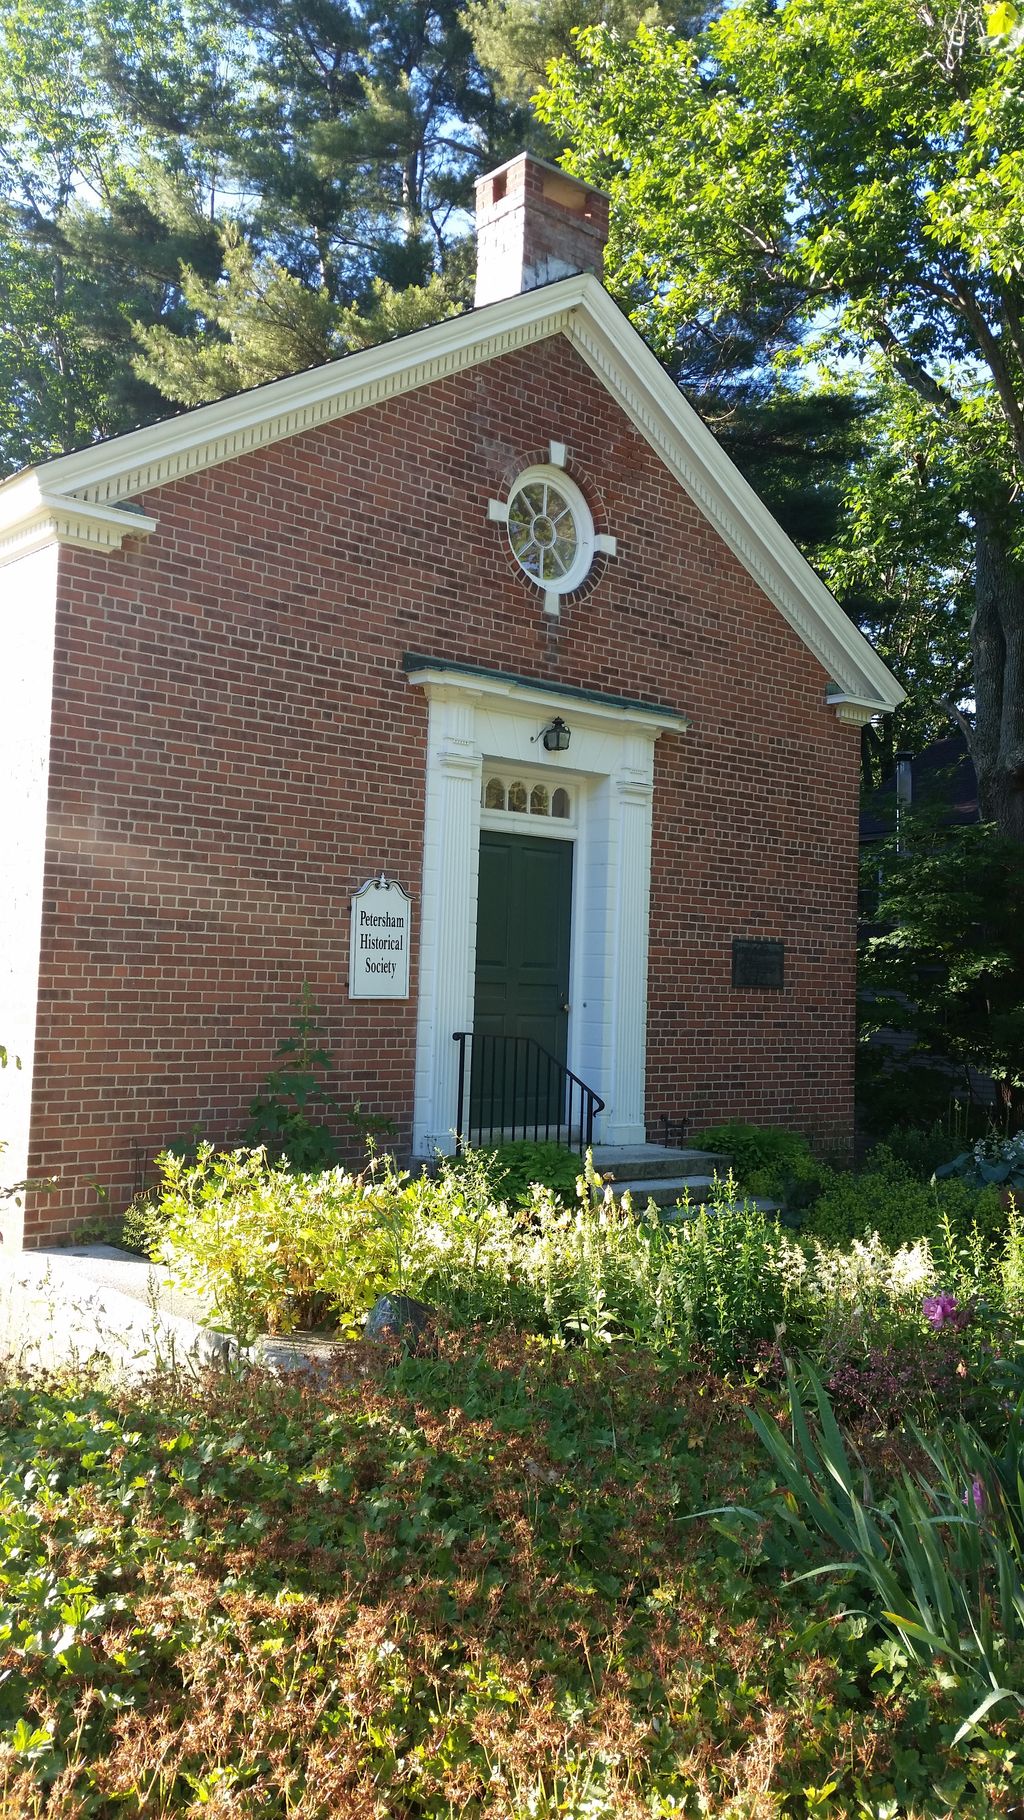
(533, 225)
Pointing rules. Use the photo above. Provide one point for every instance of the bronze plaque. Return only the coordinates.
(759, 966)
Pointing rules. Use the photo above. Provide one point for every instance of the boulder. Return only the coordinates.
(398, 1317)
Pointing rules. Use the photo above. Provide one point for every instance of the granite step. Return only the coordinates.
(671, 1213)
(651, 1162)
(665, 1191)
(668, 1192)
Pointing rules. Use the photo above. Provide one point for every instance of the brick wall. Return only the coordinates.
(236, 749)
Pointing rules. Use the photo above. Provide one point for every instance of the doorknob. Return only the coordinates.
(566, 1007)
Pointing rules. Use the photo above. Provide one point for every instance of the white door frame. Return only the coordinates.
(473, 718)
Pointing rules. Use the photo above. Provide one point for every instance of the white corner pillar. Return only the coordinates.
(631, 805)
(27, 624)
(448, 926)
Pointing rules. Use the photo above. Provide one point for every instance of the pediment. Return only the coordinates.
(86, 498)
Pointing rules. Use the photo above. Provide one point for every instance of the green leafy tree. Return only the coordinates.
(902, 565)
(93, 231)
(352, 162)
(854, 176)
(194, 199)
(517, 39)
(53, 135)
(270, 323)
(948, 965)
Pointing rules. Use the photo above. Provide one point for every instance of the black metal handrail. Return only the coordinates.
(510, 1087)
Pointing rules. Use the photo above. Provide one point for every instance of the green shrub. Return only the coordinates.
(767, 1160)
(267, 1249)
(886, 1199)
(264, 1248)
(918, 1149)
(753, 1146)
(514, 1168)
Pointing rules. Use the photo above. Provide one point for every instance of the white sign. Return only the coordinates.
(378, 964)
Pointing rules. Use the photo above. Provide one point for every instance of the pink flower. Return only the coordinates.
(975, 1495)
(944, 1311)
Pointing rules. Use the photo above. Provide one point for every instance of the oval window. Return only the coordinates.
(550, 529)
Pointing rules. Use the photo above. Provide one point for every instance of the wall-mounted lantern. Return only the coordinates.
(556, 735)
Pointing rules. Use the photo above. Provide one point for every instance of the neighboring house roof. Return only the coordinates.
(943, 777)
(85, 498)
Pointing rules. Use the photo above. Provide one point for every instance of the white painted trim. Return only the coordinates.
(514, 821)
(497, 512)
(214, 433)
(605, 545)
(578, 307)
(577, 711)
(34, 519)
(557, 454)
(478, 722)
(689, 450)
(26, 693)
(854, 711)
(545, 474)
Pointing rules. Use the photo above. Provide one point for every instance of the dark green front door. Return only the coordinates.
(524, 923)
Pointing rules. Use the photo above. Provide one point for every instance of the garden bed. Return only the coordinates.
(469, 1584)
(553, 1555)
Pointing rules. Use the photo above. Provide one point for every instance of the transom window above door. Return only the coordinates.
(529, 797)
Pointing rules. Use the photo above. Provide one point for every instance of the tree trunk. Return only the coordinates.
(877, 753)
(997, 637)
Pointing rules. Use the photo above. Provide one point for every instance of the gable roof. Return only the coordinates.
(85, 498)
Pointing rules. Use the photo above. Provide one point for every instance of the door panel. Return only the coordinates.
(522, 977)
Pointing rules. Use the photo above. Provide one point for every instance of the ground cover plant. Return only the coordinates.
(471, 1583)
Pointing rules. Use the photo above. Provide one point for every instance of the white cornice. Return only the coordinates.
(514, 696)
(855, 711)
(31, 518)
(214, 433)
(690, 451)
(578, 307)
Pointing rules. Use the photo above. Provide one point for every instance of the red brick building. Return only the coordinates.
(260, 654)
